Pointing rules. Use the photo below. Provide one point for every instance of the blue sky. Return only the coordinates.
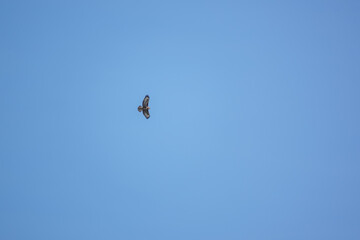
(254, 130)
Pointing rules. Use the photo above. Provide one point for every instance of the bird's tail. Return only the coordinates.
(140, 108)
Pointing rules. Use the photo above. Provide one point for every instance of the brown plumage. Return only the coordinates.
(145, 107)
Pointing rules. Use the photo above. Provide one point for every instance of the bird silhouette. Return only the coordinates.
(145, 107)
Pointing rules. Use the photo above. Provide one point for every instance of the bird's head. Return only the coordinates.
(139, 108)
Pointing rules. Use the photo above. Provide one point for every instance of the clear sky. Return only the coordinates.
(254, 130)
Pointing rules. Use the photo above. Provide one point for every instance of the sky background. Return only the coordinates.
(254, 130)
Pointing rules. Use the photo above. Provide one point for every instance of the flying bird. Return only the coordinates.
(145, 107)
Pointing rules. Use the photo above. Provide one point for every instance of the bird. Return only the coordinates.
(145, 107)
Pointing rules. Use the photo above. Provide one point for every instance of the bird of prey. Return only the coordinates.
(145, 107)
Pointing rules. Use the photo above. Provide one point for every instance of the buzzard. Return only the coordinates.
(145, 108)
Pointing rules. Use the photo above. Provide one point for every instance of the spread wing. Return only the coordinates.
(146, 101)
(146, 113)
